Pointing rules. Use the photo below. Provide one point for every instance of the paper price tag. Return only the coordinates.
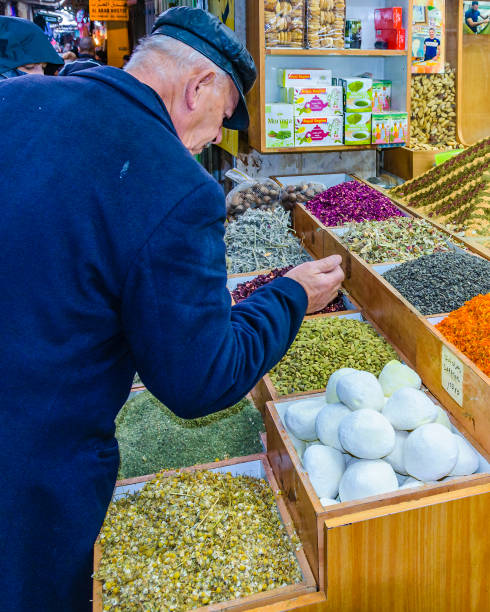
(452, 374)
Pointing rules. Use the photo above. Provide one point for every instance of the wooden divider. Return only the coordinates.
(404, 326)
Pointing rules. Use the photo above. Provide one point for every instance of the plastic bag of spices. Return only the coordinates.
(325, 23)
(261, 193)
(284, 23)
(299, 194)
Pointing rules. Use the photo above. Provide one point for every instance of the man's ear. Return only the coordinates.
(197, 85)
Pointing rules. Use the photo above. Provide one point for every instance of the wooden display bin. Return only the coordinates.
(301, 596)
(408, 163)
(414, 335)
(265, 391)
(336, 568)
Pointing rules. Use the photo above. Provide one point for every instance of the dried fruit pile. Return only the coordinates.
(191, 540)
(243, 290)
(433, 111)
(351, 201)
(324, 345)
(398, 239)
(456, 193)
(468, 328)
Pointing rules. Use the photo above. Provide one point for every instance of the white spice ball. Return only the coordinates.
(299, 445)
(395, 458)
(325, 467)
(443, 419)
(331, 396)
(327, 424)
(468, 460)
(350, 459)
(430, 452)
(359, 390)
(300, 417)
(365, 478)
(411, 483)
(409, 408)
(366, 434)
(325, 501)
(396, 375)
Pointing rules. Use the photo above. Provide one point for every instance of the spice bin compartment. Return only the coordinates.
(265, 390)
(256, 466)
(309, 515)
(426, 349)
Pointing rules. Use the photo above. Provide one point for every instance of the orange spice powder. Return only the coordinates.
(468, 328)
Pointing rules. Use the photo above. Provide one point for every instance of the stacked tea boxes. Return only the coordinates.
(317, 106)
(358, 97)
(387, 126)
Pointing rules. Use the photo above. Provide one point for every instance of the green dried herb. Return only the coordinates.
(194, 539)
(324, 345)
(261, 240)
(397, 239)
(441, 282)
(151, 437)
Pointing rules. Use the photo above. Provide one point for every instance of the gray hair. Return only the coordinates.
(170, 52)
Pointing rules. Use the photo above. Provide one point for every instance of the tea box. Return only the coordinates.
(318, 131)
(279, 123)
(357, 128)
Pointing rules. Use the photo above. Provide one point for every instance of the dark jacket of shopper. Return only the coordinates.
(116, 268)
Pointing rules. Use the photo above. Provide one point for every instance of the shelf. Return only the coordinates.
(348, 52)
(319, 149)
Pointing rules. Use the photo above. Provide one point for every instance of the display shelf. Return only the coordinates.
(256, 466)
(309, 515)
(383, 64)
(424, 346)
(346, 52)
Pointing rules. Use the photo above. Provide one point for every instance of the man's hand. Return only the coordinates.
(320, 279)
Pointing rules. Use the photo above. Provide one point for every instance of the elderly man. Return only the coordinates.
(118, 267)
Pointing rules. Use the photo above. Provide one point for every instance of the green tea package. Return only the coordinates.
(279, 125)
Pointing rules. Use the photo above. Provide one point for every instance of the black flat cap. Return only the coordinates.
(205, 33)
(23, 42)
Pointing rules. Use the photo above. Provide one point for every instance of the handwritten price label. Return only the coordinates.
(452, 374)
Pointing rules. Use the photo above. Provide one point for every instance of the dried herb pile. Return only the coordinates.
(327, 344)
(397, 239)
(433, 111)
(244, 290)
(191, 540)
(456, 193)
(441, 282)
(468, 328)
(260, 240)
(152, 438)
(351, 201)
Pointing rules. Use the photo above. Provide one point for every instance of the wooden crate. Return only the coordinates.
(420, 555)
(426, 349)
(251, 465)
(309, 515)
(265, 391)
(407, 163)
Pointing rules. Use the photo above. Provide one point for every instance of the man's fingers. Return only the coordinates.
(327, 264)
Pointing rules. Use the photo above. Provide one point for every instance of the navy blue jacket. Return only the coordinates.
(112, 258)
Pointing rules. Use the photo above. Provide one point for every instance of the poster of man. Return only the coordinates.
(476, 17)
(428, 36)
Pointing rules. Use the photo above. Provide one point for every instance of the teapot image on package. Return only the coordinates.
(321, 100)
(318, 131)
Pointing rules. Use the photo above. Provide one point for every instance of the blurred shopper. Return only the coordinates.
(86, 58)
(112, 266)
(24, 48)
(69, 56)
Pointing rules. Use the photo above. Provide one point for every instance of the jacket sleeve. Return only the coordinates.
(193, 351)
